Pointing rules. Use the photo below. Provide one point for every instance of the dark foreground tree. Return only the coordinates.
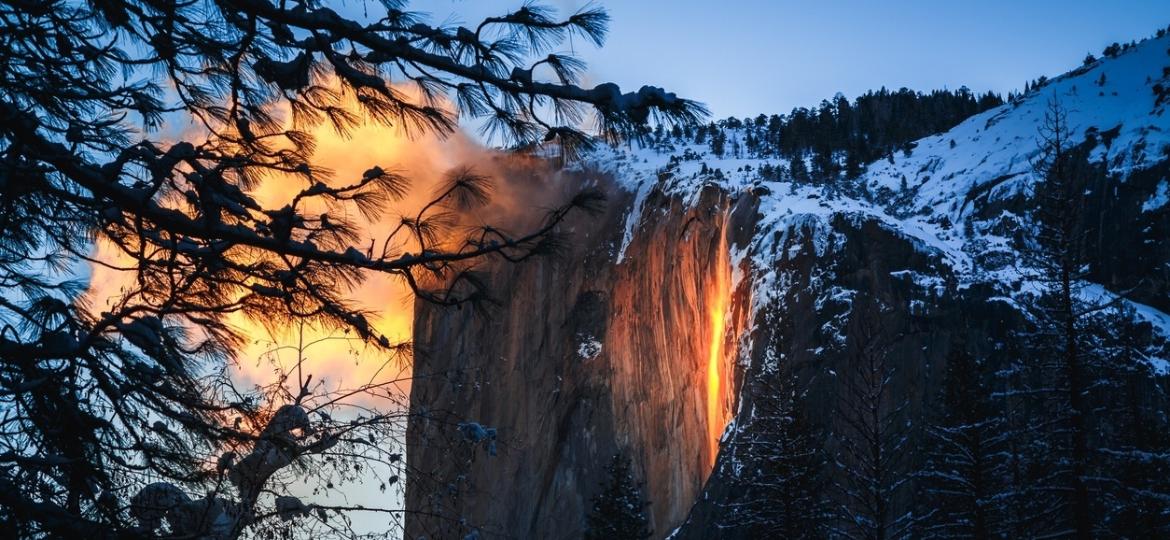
(966, 458)
(1060, 425)
(618, 511)
(779, 493)
(120, 419)
(871, 437)
(1060, 201)
(1081, 441)
(1134, 454)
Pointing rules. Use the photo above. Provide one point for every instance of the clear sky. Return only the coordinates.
(744, 57)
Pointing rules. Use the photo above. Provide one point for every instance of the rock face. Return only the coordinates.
(582, 358)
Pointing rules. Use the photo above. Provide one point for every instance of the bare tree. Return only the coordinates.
(121, 420)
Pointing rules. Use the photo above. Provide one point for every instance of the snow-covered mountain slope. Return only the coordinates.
(922, 255)
(1114, 95)
(962, 195)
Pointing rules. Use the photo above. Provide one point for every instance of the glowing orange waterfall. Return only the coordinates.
(717, 383)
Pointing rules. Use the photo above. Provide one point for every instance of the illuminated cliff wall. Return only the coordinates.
(582, 357)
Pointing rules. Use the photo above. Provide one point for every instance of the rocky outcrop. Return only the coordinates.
(581, 358)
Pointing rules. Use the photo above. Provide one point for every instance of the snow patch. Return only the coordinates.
(589, 348)
(1159, 199)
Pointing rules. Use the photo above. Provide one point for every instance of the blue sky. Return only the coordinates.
(746, 57)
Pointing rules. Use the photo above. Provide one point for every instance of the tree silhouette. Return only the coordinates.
(1082, 345)
(120, 420)
(618, 511)
(780, 491)
(965, 463)
(1061, 314)
(871, 436)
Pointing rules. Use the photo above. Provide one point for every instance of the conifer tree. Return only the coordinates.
(1083, 467)
(1134, 457)
(781, 490)
(871, 438)
(965, 465)
(718, 142)
(618, 511)
(1060, 316)
(798, 170)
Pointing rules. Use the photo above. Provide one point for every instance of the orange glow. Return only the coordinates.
(335, 358)
(717, 384)
(424, 159)
(342, 361)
